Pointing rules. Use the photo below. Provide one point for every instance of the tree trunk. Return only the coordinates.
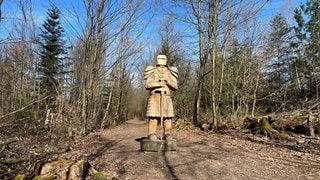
(84, 112)
(196, 109)
(255, 97)
(310, 124)
(214, 9)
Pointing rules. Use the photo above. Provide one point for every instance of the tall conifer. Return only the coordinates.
(52, 56)
(307, 32)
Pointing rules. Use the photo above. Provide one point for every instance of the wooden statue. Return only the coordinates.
(160, 81)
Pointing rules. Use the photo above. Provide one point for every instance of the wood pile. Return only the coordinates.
(305, 122)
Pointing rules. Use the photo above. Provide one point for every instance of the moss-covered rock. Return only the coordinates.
(63, 169)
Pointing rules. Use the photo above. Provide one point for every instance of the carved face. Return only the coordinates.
(161, 60)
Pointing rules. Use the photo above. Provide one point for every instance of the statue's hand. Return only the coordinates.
(164, 77)
(163, 83)
(154, 84)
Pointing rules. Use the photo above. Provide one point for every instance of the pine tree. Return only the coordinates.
(279, 52)
(52, 55)
(279, 47)
(307, 32)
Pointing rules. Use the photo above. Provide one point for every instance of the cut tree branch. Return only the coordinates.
(13, 112)
(8, 141)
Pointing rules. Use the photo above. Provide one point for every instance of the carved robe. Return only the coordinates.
(160, 81)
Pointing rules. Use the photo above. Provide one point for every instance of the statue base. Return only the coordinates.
(158, 145)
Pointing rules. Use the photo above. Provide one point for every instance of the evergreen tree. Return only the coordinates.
(279, 51)
(307, 32)
(279, 47)
(52, 55)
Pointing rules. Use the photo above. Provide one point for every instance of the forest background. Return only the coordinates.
(73, 67)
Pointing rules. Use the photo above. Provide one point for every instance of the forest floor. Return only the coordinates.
(231, 154)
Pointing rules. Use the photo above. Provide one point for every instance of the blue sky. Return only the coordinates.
(285, 7)
(11, 12)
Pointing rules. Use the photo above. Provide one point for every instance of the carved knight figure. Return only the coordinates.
(160, 81)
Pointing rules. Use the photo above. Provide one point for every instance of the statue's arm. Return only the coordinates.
(172, 83)
(151, 83)
(149, 78)
(172, 80)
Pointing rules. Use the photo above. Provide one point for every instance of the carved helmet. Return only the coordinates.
(161, 59)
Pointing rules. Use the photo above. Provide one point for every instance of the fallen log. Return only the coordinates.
(221, 125)
(306, 125)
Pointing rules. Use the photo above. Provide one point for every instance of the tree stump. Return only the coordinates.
(263, 126)
(267, 129)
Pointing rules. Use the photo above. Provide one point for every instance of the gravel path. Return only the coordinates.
(199, 156)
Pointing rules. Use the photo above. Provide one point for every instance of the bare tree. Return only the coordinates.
(217, 23)
(19, 50)
(203, 56)
(0, 9)
(172, 46)
(102, 61)
(128, 50)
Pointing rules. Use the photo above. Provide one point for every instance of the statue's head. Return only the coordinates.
(161, 60)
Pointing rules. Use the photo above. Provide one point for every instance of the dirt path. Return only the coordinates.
(199, 156)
